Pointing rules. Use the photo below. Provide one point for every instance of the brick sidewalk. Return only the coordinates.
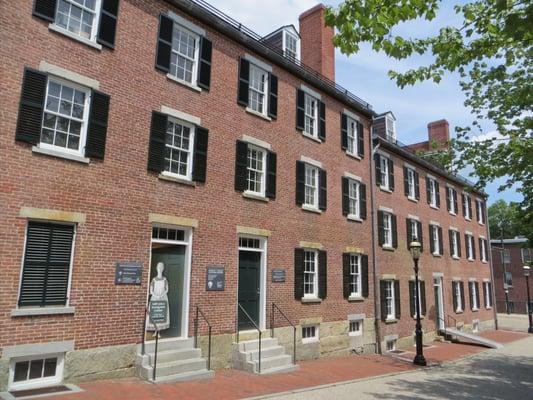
(235, 384)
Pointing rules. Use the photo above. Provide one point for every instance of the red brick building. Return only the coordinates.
(143, 132)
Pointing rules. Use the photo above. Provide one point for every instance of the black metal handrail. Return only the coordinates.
(199, 313)
(447, 322)
(272, 326)
(255, 326)
(147, 314)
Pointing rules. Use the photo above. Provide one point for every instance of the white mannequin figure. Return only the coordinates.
(158, 292)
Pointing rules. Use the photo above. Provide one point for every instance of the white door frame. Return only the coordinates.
(441, 323)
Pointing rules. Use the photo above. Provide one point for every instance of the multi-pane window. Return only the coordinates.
(291, 46)
(414, 230)
(184, 54)
(507, 279)
(473, 294)
(353, 198)
(452, 200)
(258, 89)
(355, 328)
(411, 183)
(454, 235)
(391, 345)
(249, 243)
(469, 247)
(458, 297)
(387, 229)
(178, 148)
(311, 116)
(78, 16)
(65, 117)
(310, 273)
(416, 299)
(162, 233)
(480, 212)
(466, 208)
(311, 186)
(309, 333)
(352, 136)
(488, 298)
(389, 300)
(435, 238)
(506, 256)
(483, 250)
(526, 255)
(256, 169)
(355, 275)
(391, 129)
(384, 170)
(35, 372)
(432, 192)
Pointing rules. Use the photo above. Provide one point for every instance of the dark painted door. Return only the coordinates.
(249, 270)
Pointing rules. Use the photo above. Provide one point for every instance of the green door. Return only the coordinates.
(174, 259)
(249, 270)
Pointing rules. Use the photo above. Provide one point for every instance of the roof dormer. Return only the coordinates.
(285, 39)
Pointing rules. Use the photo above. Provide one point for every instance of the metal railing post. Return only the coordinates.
(196, 329)
(209, 350)
(259, 351)
(155, 355)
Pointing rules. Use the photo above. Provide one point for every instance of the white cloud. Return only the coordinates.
(487, 136)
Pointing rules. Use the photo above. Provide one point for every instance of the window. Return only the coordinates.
(65, 117)
(474, 295)
(391, 128)
(483, 249)
(311, 273)
(249, 243)
(435, 238)
(355, 275)
(507, 279)
(310, 334)
(480, 211)
(47, 264)
(384, 170)
(184, 54)
(466, 206)
(178, 148)
(387, 230)
(526, 255)
(390, 300)
(391, 345)
(258, 89)
(458, 297)
(411, 189)
(79, 17)
(311, 116)
(354, 199)
(28, 372)
(452, 200)
(432, 192)
(414, 230)
(506, 256)
(161, 233)
(454, 243)
(469, 246)
(488, 293)
(355, 328)
(291, 46)
(415, 299)
(311, 186)
(352, 136)
(256, 170)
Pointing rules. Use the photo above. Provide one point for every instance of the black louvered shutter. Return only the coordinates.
(455, 205)
(47, 257)
(423, 298)
(298, 274)
(441, 244)
(431, 239)
(450, 241)
(383, 300)
(428, 190)
(462, 289)
(346, 276)
(31, 106)
(477, 294)
(459, 252)
(391, 174)
(485, 295)
(381, 231)
(480, 247)
(360, 140)
(477, 211)
(322, 120)
(420, 235)
(364, 274)
(156, 149)
(201, 141)
(300, 109)
(377, 163)
(409, 229)
(417, 185)
(345, 196)
(344, 131)
(482, 206)
(471, 294)
(397, 300)
(362, 200)
(204, 69)
(300, 182)
(270, 191)
(97, 129)
(466, 245)
(469, 207)
(406, 181)
(463, 198)
(448, 199)
(241, 166)
(273, 97)
(437, 190)
(454, 295)
(108, 23)
(323, 193)
(394, 227)
(412, 304)
(45, 9)
(322, 274)
(244, 82)
(164, 43)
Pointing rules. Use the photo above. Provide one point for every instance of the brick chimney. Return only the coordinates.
(317, 50)
(439, 135)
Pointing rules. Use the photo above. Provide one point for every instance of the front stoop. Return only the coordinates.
(273, 357)
(177, 360)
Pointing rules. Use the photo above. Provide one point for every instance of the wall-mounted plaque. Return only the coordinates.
(215, 278)
(128, 273)
(278, 275)
(158, 311)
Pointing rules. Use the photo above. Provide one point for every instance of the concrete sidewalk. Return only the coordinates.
(513, 322)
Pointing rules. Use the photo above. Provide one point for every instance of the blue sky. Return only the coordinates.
(365, 73)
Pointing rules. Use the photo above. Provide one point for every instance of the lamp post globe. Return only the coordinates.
(419, 359)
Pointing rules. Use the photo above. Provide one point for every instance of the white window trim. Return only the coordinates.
(387, 243)
(358, 332)
(473, 289)
(264, 111)
(313, 295)
(480, 216)
(39, 382)
(455, 243)
(314, 205)
(435, 239)
(522, 252)
(433, 193)
(392, 316)
(312, 339)
(315, 117)
(186, 23)
(384, 185)
(483, 250)
(467, 200)
(357, 199)
(355, 146)
(284, 43)
(263, 171)
(190, 161)
(488, 300)
(411, 184)
(470, 247)
(359, 293)
(458, 297)
(452, 194)
(196, 63)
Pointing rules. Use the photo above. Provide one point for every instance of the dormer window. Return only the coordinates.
(390, 128)
(291, 46)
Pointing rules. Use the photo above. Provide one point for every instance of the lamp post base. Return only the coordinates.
(530, 329)
(420, 360)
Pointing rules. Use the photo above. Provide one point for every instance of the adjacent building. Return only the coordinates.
(136, 133)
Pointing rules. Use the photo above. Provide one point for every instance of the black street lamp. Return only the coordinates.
(415, 253)
(529, 310)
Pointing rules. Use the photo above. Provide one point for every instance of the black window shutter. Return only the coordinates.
(346, 277)
(423, 298)
(471, 294)
(201, 141)
(450, 240)
(406, 181)
(164, 43)
(323, 194)
(381, 232)
(322, 120)
(441, 244)
(31, 106)
(298, 274)
(360, 140)
(244, 82)
(428, 190)
(469, 206)
(394, 227)
(466, 245)
(477, 294)
(477, 210)
(300, 182)
(362, 200)
(300, 109)
(204, 69)
(409, 232)
(437, 190)
(485, 295)
(383, 300)
(431, 239)
(462, 290)
(45, 9)
(412, 304)
(397, 300)
(322, 274)
(391, 174)
(344, 131)
(420, 235)
(108, 23)
(417, 185)
(377, 163)
(463, 198)
(97, 129)
(454, 295)
(241, 166)
(448, 200)
(454, 193)
(345, 196)
(458, 244)
(480, 247)
(156, 150)
(273, 97)
(47, 257)
(270, 191)
(364, 275)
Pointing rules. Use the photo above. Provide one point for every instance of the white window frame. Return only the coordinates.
(195, 60)
(311, 120)
(466, 200)
(391, 344)
(483, 250)
(355, 275)
(309, 168)
(411, 184)
(435, 238)
(262, 172)
(353, 146)
(469, 247)
(190, 151)
(473, 290)
(458, 297)
(433, 193)
(523, 251)
(488, 299)
(414, 229)
(384, 168)
(480, 216)
(313, 274)
(84, 121)
(315, 337)
(287, 34)
(96, 20)
(387, 229)
(37, 382)
(257, 69)
(390, 128)
(354, 199)
(390, 298)
(358, 325)
(455, 243)
(452, 193)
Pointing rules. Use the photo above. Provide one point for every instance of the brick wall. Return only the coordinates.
(518, 292)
